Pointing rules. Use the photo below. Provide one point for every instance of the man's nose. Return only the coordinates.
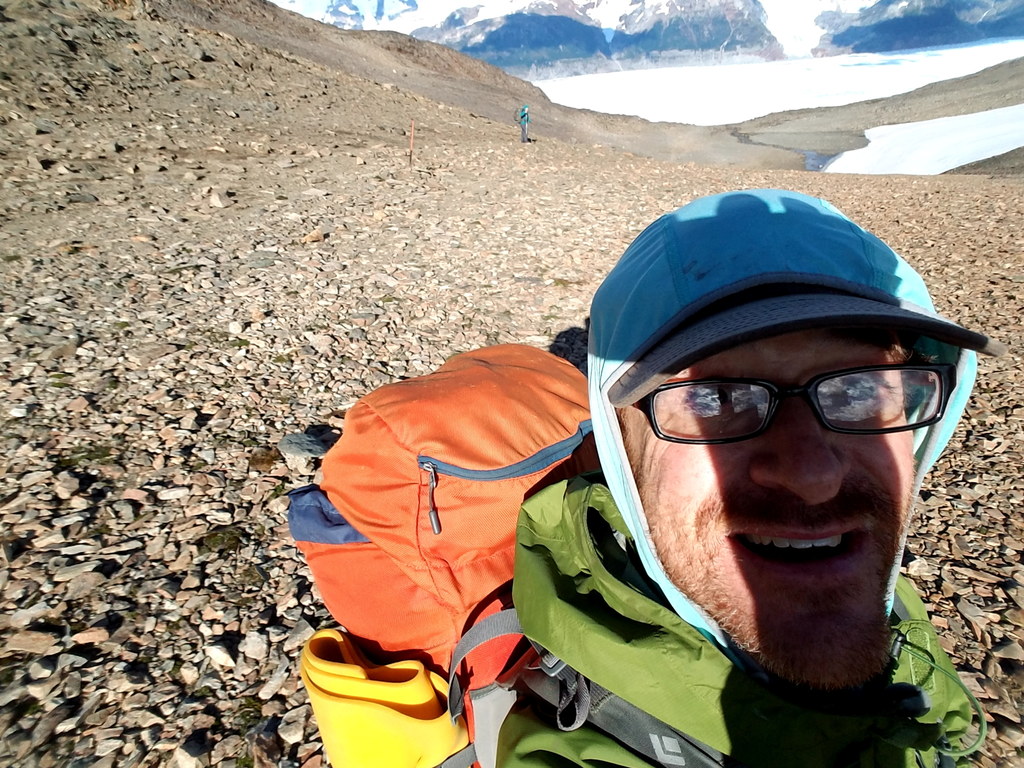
(799, 455)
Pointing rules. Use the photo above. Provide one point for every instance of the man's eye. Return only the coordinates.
(847, 397)
(857, 398)
(712, 400)
(706, 402)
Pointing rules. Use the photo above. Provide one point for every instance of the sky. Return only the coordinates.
(696, 95)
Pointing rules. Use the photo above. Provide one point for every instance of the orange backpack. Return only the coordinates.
(410, 535)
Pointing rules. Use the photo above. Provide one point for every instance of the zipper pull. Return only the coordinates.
(435, 519)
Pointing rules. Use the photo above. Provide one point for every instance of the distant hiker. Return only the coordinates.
(523, 118)
(719, 583)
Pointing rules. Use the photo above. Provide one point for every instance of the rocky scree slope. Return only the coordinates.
(210, 249)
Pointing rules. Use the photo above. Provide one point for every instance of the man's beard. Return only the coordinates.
(826, 637)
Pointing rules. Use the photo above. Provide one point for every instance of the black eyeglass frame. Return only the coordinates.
(947, 379)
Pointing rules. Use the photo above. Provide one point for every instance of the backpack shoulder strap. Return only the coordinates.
(490, 705)
(500, 624)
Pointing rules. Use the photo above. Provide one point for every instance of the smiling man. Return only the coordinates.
(769, 384)
(789, 532)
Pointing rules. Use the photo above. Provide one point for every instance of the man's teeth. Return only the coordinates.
(778, 541)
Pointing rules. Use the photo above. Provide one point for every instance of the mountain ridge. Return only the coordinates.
(544, 38)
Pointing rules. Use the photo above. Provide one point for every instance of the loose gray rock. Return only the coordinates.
(301, 445)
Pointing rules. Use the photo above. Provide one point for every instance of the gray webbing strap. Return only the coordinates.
(648, 735)
(464, 758)
(498, 624)
(626, 723)
(572, 701)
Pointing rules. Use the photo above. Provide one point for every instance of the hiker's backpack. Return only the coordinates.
(410, 535)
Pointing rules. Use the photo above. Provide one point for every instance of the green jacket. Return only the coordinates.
(571, 596)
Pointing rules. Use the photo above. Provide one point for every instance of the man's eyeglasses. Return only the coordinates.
(871, 400)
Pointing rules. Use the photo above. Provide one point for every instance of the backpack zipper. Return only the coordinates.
(529, 465)
(435, 518)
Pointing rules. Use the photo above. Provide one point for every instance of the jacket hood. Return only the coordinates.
(807, 265)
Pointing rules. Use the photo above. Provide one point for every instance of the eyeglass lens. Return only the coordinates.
(886, 399)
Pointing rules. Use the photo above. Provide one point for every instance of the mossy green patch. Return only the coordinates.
(227, 539)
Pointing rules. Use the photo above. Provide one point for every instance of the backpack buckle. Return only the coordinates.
(551, 665)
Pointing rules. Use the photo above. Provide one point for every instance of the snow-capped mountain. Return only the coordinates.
(588, 35)
(355, 14)
(903, 24)
(789, 20)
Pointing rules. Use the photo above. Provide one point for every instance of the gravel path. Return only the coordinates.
(208, 247)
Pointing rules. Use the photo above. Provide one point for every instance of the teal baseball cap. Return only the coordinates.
(729, 269)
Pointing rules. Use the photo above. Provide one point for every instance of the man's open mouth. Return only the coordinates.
(787, 550)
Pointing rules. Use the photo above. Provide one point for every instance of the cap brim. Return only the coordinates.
(781, 314)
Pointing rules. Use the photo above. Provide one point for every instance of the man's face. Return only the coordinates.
(786, 539)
